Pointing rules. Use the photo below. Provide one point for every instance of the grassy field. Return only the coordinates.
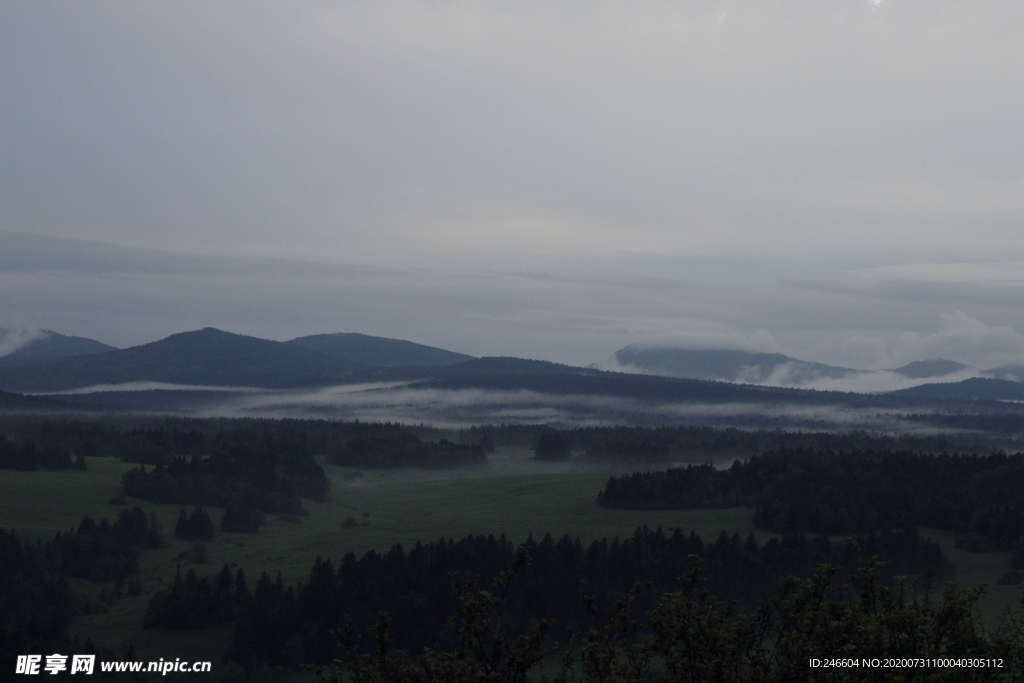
(514, 496)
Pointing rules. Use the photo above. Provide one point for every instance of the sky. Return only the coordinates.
(838, 180)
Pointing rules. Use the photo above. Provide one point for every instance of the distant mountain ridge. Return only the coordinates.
(48, 344)
(50, 362)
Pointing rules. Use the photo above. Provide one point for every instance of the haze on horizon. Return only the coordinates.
(839, 181)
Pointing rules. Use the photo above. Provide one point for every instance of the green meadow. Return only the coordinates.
(372, 510)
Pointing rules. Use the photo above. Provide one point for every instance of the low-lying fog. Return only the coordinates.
(795, 376)
(456, 408)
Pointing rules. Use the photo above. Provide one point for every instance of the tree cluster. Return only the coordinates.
(194, 526)
(104, 551)
(386, 445)
(551, 445)
(250, 470)
(30, 457)
(241, 519)
(798, 491)
(284, 625)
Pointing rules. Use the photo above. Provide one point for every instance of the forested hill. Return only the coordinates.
(378, 351)
(974, 389)
(203, 357)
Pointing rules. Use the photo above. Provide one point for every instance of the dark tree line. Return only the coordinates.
(640, 446)
(156, 441)
(803, 491)
(287, 625)
(30, 457)
(153, 441)
(657, 445)
(386, 445)
(251, 471)
(194, 526)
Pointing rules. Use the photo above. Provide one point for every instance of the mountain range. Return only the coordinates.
(48, 362)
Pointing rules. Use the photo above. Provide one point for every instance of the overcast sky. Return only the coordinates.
(554, 179)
